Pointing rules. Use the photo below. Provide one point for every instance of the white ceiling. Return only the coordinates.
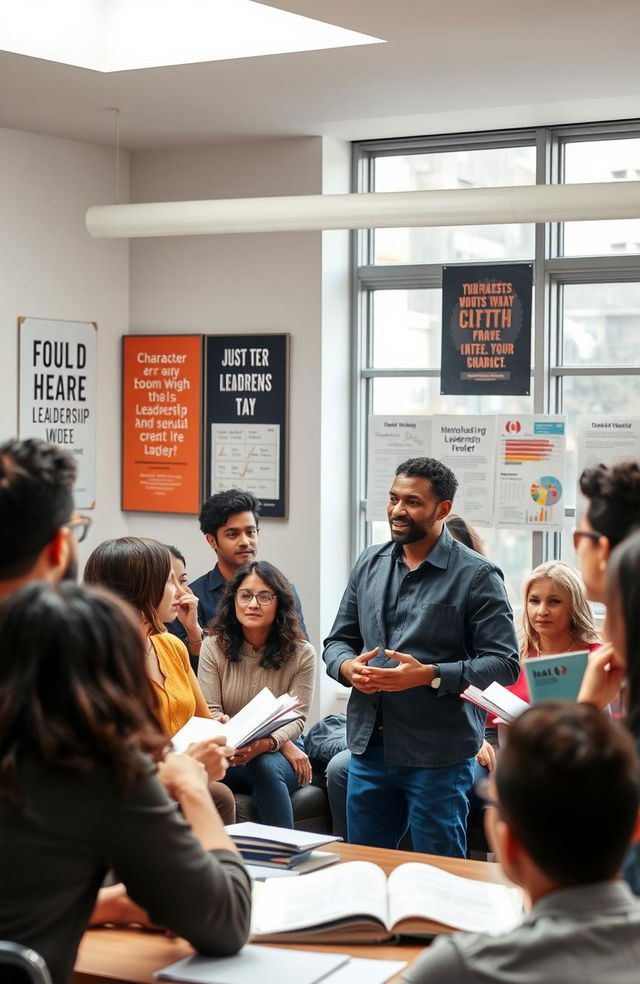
(462, 65)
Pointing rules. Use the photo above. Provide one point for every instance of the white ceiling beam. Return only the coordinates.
(303, 213)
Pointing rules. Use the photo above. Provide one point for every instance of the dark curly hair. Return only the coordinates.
(614, 499)
(218, 508)
(443, 482)
(73, 686)
(286, 631)
(36, 499)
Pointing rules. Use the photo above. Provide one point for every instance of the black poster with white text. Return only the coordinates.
(246, 391)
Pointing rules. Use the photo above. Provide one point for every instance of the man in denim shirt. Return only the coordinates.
(421, 619)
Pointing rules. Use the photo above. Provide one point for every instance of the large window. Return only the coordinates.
(585, 351)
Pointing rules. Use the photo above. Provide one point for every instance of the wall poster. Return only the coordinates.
(246, 417)
(392, 439)
(486, 329)
(467, 446)
(530, 479)
(57, 392)
(161, 423)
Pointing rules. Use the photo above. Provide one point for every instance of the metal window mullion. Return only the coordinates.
(587, 370)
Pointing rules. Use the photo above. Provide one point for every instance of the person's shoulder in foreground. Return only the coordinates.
(566, 772)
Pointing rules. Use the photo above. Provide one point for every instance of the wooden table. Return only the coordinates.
(131, 956)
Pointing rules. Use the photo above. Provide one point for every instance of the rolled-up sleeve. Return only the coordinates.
(490, 636)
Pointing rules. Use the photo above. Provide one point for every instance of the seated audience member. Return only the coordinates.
(461, 530)
(39, 530)
(79, 789)
(229, 521)
(564, 803)
(615, 667)
(257, 641)
(556, 617)
(612, 513)
(139, 571)
(186, 621)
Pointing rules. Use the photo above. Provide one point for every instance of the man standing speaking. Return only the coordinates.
(422, 618)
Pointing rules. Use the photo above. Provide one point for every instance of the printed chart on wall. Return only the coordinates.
(607, 440)
(247, 383)
(467, 446)
(161, 422)
(392, 439)
(530, 476)
(486, 329)
(58, 392)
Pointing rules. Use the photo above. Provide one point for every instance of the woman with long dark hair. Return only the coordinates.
(139, 570)
(83, 788)
(256, 641)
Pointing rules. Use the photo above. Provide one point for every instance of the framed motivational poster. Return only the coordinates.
(161, 423)
(246, 417)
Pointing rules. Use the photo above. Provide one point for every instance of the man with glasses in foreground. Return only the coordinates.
(562, 806)
(39, 530)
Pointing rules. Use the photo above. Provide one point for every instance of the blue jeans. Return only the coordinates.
(270, 779)
(383, 801)
(337, 775)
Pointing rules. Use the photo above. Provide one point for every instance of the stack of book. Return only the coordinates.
(281, 849)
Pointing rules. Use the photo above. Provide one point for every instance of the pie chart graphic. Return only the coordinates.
(547, 491)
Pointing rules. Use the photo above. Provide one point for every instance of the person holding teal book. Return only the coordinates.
(556, 618)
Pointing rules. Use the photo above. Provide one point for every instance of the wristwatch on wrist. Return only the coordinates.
(273, 744)
(437, 679)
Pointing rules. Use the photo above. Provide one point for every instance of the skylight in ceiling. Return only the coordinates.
(121, 35)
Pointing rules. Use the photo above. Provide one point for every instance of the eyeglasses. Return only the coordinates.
(80, 525)
(588, 533)
(245, 597)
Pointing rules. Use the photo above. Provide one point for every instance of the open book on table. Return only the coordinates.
(356, 902)
(496, 699)
(259, 718)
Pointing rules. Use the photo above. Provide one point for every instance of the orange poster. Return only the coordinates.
(161, 423)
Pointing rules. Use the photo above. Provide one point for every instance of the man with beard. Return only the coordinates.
(39, 529)
(422, 618)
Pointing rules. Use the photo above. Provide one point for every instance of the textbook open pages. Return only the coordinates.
(260, 717)
(356, 902)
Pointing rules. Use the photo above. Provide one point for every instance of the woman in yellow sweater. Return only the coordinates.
(139, 570)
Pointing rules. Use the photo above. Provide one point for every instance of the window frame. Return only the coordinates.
(552, 272)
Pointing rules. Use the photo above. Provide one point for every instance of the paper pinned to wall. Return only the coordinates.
(392, 439)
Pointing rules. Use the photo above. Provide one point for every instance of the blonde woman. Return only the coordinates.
(556, 617)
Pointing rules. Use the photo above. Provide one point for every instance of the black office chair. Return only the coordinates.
(21, 965)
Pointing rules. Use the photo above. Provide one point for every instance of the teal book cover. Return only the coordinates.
(555, 677)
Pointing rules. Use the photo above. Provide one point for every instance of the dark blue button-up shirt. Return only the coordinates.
(453, 611)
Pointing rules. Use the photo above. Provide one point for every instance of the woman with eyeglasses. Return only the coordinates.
(256, 641)
(86, 785)
(139, 570)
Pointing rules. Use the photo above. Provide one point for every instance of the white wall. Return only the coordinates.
(51, 268)
(295, 283)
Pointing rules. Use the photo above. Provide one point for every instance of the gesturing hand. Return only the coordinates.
(298, 760)
(486, 756)
(352, 671)
(603, 676)
(409, 673)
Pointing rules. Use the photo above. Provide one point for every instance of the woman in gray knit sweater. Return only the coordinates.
(256, 641)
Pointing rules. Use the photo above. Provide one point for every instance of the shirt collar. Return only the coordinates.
(215, 579)
(600, 897)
